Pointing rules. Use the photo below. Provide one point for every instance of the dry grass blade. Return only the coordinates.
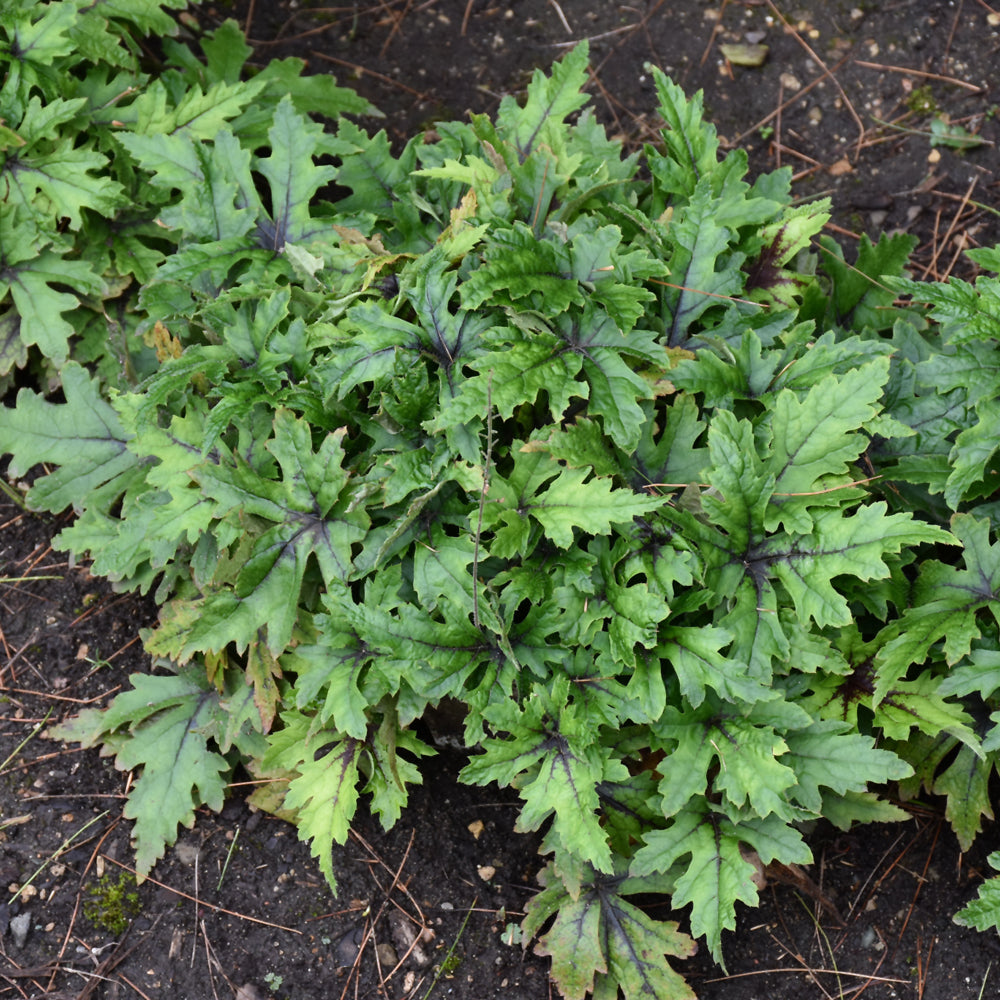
(910, 71)
(206, 904)
(360, 70)
(941, 244)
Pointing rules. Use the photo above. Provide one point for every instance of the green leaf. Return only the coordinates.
(948, 599)
(597, 932)
(983, 912)
(713, 879)
(162, 727)
(945, 133)
(521, 266)
(965, 785)
(560, 500)
(701, 270)
(918, 704)
(692, 147)
(829, 755)
(197, 116)
(814, 437)
(33, 275)
(378, 180)
(324, 791)
(552, 758)
(51, 176)
(82, 436)
(304, 514)
(316, 94)
(975, 447)
(293, 177)
(771, 279)
(550, 100)
(214, 181)
(46, 39)
(694, 654)
(965, 312)
(863, 292)
(856, 545)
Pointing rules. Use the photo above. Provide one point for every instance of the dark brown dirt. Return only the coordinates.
(240, 904)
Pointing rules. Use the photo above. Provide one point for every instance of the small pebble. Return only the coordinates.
(19, 927)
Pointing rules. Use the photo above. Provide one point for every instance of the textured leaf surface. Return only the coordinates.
(301, 515)
(560, 500)
(983, 912)
(597, 933)
(83, 436)
(162, 727)
(324, 791)
(716, 876)
(553, 759)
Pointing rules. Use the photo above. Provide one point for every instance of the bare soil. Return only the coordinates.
(238, 908)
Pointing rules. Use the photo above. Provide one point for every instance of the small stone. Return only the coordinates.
(248, 992)
(486, 872)
(347, 946)
(386, 955)
(410, 938)
(19, 927)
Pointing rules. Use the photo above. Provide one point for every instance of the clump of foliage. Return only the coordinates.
(698, 534)
(112, 902)
(82, 227)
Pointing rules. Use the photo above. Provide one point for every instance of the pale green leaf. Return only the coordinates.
(597, 932)
(161, 726)
(324, 792)
(713, 879)
(82, 436)
(828, 755)
(965, 785)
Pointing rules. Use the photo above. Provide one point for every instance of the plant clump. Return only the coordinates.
(616, 451)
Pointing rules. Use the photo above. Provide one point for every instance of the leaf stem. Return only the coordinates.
(27, 739)
(229, 857)
(15, 496)
(482, 497)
